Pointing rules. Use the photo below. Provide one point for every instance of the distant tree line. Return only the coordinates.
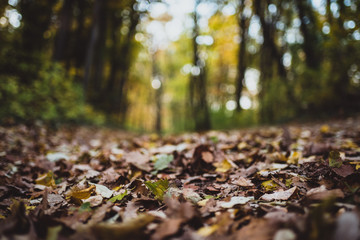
(83, 51)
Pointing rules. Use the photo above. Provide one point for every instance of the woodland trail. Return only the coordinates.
(295, 182)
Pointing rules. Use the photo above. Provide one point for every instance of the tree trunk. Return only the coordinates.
(241, 65)
(309, 29)
(158, 93)
(98, 9)
(197, 86)
(63, 33)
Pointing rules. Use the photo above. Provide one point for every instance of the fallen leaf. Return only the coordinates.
(257, 229)
(46, 179)
(344, 170)
(138, 160)
(235, 201)
(94, 200)
(162, 161)
(208, 230)
(243, 182)
(270, 185)
(77, 193)
(167, 228)
(191, 195)
(54, 199)
(119, 197)
(132, 229)
(335, 160)
(103, 190)
(321, 193)
(158, 188)
(223, 166)
(54, 157)
(279, 195)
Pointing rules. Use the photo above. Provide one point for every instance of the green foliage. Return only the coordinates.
(52, 97)
(224, 119)
(276, 103)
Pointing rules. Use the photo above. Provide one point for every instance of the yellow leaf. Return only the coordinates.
(223, 166)
(242, 145)
(134, 174)
(118, 188)
(270, 185)
(324, 128)
(202, 202)
(357, 164)
(46, 179)
(207, 230)
(349, 144)
(81, 194)
(294, 157)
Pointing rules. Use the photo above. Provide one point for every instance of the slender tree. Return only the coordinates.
(197, 86)
(243, 22)
(61, 46)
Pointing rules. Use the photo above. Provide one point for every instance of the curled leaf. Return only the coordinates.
(223, 166)
(81, 193)
(46, 179)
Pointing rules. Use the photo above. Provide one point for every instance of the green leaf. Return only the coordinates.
(162, 161)
(119, 197)
(335, 159)
(214, 139)
(85, 207)
(158, 188)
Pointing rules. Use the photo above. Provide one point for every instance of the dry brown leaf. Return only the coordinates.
(279, 195)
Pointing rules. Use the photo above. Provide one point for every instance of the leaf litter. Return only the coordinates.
(294, 182)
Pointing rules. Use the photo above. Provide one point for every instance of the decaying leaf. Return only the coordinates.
(158, 188)
(54, 157)
(249, 184)
(235, 201)
(132, 229)
(162, 161)
(167, 228)
(223, 166)
(270, 185)
(279, 195)
(138, 160)
(335, 159)
(78, 193)
(103, 190)
(46, 179)
(321, 193)
(94, 200)
(243, 182)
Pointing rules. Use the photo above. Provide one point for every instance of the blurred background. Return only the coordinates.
(178, 65)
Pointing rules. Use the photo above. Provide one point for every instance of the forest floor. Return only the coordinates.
(283, 183)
